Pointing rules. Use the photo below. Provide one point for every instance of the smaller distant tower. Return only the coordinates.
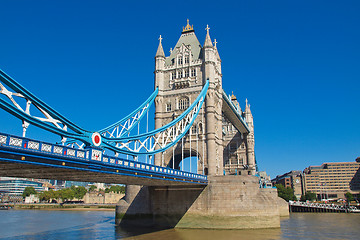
(250, 140)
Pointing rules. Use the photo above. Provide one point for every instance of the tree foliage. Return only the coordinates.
(92, 188)
(285, 193)
(28, 191)
(115, 189)
(64, 194)
(308, 196)
(79, 192)
(349, 197)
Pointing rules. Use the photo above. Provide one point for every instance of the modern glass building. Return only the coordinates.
(16, 186)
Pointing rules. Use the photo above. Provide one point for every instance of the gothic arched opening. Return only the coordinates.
(184, 161)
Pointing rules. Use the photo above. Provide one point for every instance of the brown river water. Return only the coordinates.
(42, 224)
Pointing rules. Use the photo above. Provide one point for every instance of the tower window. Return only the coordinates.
(194, 129)
(183, 103)
(193, 72)
(180, 74)
(168, 107)
(187, 59)
(180, 60)
(186, 73)
(200, 128)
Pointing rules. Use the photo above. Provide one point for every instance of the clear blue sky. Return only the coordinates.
(297, 62)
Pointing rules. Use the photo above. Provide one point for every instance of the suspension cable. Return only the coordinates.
(173, 158)
(162, 158)
(203, 144)
(147, 130)
(190, 147)
(197, 147)
(182, 154)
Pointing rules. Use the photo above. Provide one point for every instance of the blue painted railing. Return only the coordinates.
(90, 156)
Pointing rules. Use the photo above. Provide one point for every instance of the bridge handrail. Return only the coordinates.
(44, 148)
(322, 205)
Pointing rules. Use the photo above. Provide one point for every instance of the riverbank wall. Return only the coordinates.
(74, 207)
(227, 202)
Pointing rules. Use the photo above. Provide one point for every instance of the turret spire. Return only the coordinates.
(160, 50)
(188, 28)
(208, 42)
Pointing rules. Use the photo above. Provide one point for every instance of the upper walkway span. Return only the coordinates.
(233, 114)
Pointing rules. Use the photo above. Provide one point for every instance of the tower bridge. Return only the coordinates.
(194, 119)
(225, 132)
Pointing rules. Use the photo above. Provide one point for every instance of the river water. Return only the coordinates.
(43, 224)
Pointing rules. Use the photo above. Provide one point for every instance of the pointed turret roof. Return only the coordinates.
(208, 42)
(247, 108)
(189, 39)
(160, 50)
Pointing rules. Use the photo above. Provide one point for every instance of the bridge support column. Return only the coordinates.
(131, 191)
(228, 202)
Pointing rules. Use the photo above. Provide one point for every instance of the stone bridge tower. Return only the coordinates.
(180, 77)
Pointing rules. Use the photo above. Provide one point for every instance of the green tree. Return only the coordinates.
(79, 192)
(28, 191)
(308, 196)
(46, 195)
(349, 197)
(285, 193)
(66, 194)
(92, 188)
(117, 189)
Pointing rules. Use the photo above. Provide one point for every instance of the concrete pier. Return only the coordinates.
(228, 202)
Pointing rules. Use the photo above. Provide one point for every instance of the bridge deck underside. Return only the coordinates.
(13, 165)
(234, 117)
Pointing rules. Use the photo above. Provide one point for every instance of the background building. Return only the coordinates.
(333, 180)
(328, 181)
(292, 179)
(16, 186)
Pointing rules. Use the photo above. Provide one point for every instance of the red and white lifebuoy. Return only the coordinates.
(96, 139)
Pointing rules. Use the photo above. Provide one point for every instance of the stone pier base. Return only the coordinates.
(228, 202)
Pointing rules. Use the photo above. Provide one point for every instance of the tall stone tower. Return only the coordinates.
(180, 78)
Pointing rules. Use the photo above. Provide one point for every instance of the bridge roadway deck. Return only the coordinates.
(22, 157)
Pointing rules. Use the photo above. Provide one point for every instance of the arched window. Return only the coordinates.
(187, 59)
(186, 73)
(180, 60)
(180, 74)
(200, 128)
(183, 103)
(194, 129)
(168, 107)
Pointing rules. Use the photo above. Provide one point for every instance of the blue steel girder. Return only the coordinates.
(111, 137)
(50, 120)
(126, 124)
(32, 154)
(162, 138)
